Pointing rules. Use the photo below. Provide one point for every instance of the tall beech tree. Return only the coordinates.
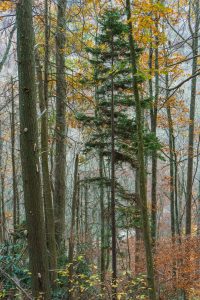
(43, 95)
(195, 8)
(154, 113)
(29, 151)
(142, 170)
(60, 130)
(47, 193)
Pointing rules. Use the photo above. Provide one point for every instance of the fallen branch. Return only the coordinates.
(5, 274)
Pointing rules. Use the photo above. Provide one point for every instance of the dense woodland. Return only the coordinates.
(99, 149)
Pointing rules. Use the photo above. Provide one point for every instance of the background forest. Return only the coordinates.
(99, 149)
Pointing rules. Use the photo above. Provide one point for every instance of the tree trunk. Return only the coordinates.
(113, 220)
(72, 229)
(171, 163)
(102, 218)
(142, 171)
(190, 160)
(3, 174)
(86, 212)
(14, 175)
(195, 44)
(2, 209)
(154, 152)
(48, 201)
(29, 151)
(60, 131)
(138, 232)
(78, 210)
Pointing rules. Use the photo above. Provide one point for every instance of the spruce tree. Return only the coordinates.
(112, 81)
(114, 126)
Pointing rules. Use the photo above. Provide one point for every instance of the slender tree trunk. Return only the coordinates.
(154, 152)
(29, 151)
(142, 171)
(113, 220)
(2, 189)
(86, 211)
(72, 229)
(176, 200)
(77, 213)
(102, 218)
(60, 156)
(189, 189)
(138, 231)
(195, 44)
(14, 175)
(43, 91)
(139, 249)
(3, 208)
(172, 187)
(47, 195)
(81, 211)
(107, 225)
(172, 182)
(171, 162)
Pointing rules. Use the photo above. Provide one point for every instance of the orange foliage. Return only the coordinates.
(177, 265)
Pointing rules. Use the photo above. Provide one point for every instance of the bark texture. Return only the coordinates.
(142, 171)
(195, 43)
(47, 195)
(13, 157)
(29, 151)
(60, 132)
